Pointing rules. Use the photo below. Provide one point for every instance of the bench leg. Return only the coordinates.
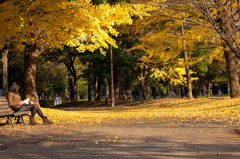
(10, 120)
(22, 119)
(18, 120)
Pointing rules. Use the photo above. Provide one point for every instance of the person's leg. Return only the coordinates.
(34, 109)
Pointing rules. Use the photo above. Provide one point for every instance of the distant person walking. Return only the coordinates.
(18, 105)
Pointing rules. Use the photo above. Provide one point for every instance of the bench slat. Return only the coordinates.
(3, 99)
(22, 113)
(5, 114)
(6, 111)
(3, 102)
(4, 106)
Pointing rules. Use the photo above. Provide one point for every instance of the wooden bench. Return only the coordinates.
(8, 113)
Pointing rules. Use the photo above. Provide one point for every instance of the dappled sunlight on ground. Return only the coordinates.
(207, 109)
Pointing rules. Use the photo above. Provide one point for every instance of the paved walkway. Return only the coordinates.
(171, 139)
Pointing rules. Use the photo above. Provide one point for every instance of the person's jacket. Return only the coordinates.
(14, 100)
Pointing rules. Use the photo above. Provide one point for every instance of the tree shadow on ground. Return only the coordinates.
(101, 142)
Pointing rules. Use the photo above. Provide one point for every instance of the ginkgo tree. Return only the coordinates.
(161, 40)
(53, 23)
(221, 20)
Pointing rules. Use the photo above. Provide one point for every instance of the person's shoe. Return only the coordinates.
(46, 121)
(32, 121)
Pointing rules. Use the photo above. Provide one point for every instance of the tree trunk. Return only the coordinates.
(209, 90)
(204, 90)
(232, 68)
(106, 91)
(99, 88)
(154, 93)
(159, 92)
(89, 92)
(129, 85)
(95, 88)
(197, 90)
(5, 72)
(75, 88)
(89, 84)
(112, 84)
(116, 85)
(141, 78)
(30, 55)
(65, 91)
(189, 85)
(219, 88)
(228, 86)
(144, 89)
(122, 89)
(182, 91)
(42, 95)
(71, 85)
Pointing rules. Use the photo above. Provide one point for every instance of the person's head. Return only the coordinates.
(14, 87)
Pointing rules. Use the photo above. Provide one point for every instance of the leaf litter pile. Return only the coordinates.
(202, 109)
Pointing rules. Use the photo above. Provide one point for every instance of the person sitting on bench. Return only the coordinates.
(18, 105)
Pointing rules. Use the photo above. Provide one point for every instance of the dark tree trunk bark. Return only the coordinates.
(122, 89)
(106, 91)
(42, 95)
(182, 91)
(65, 91)
(154, 93)
(99, 88)
(142, 77)
(209, 91)
(5, 72)
(129, 85)
(204, 90)
(30, 55)
(116, 85)
(89, 84)
(197, 90)
(189, 84)
(72, 74)
(95, 88)
(231, 59)
(144, 89)
(75, 88)
(232, 68)
(112, 84)
(89, 92)
(219, 88)
(71, 85)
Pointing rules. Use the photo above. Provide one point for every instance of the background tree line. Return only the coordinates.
(171, 42)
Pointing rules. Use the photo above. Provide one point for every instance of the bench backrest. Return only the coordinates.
(4, 106)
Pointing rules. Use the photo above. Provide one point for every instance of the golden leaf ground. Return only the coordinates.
(161, 128)
(212, 109)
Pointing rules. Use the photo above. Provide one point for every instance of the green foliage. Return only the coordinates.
(156, 83)
(215, 70)
(50, 76)
(207, 69)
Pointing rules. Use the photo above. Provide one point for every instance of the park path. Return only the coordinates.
(158, 140)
